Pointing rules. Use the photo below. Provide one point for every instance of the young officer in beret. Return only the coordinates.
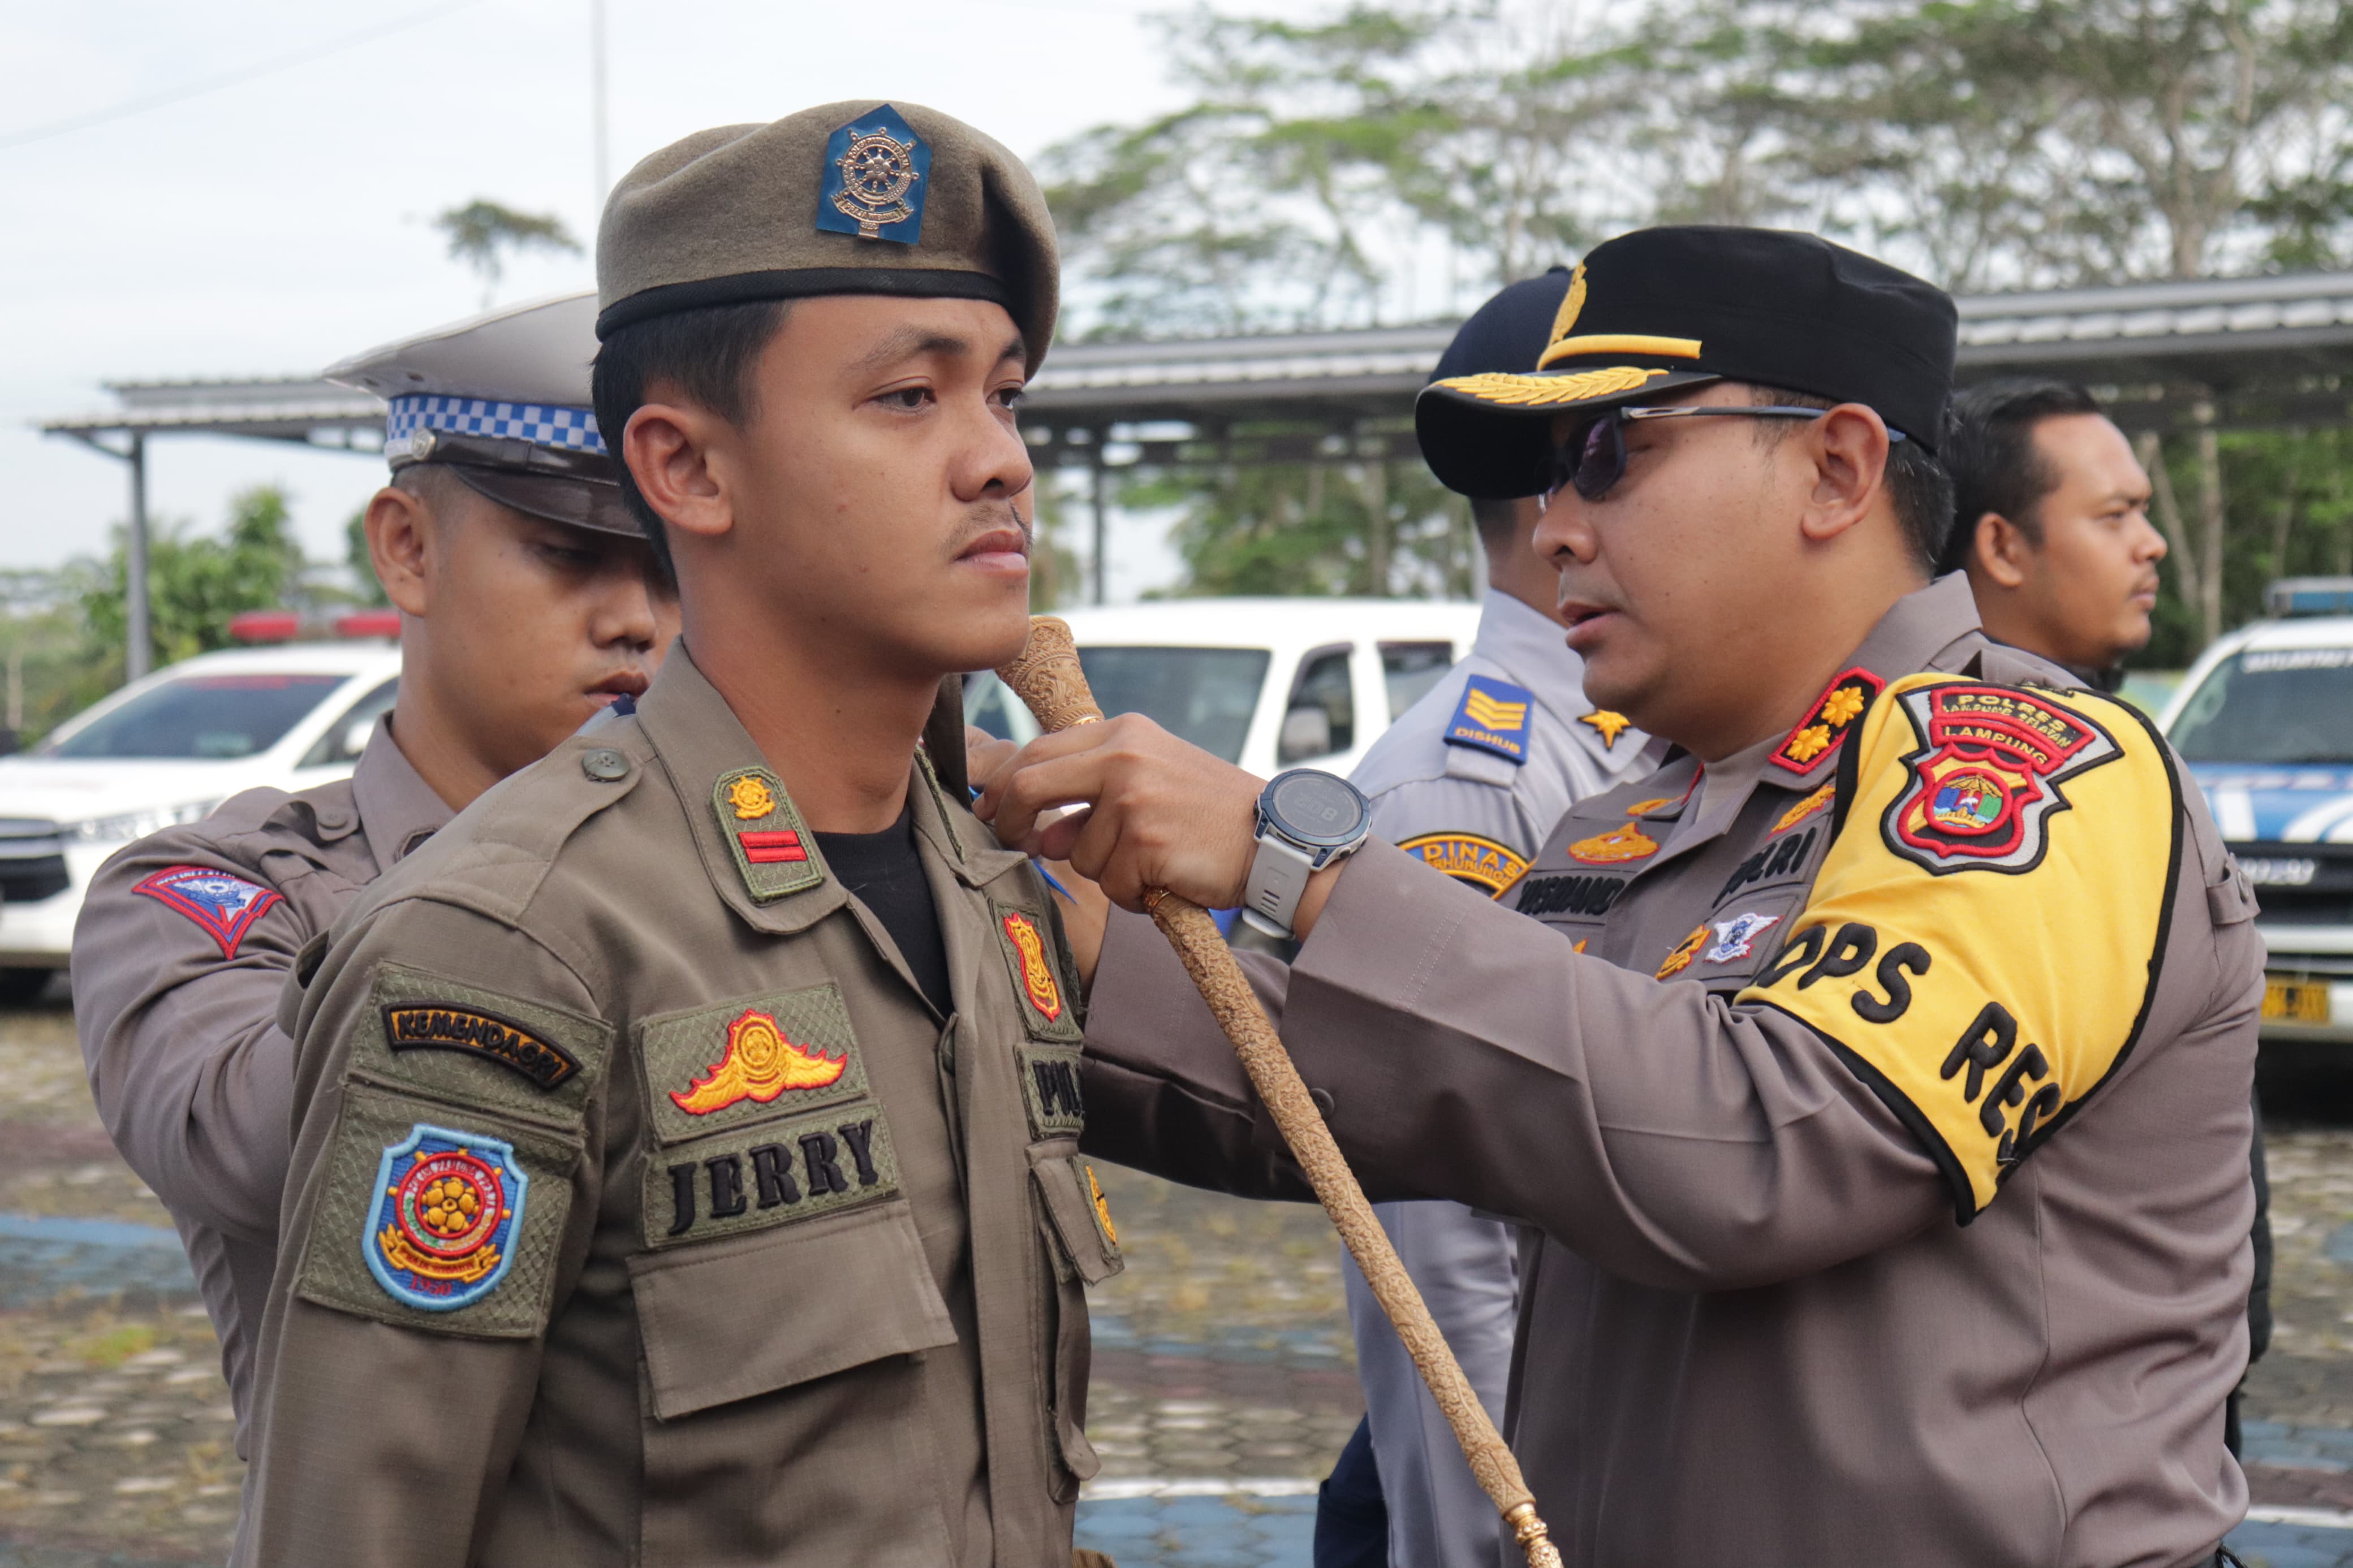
(686, 1165)
(1877, 1076)
(528, 602)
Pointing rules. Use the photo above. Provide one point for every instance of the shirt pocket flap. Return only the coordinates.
(832, 1295)
(2231, 898)
(1089, 1244)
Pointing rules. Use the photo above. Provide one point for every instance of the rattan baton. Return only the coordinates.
(1047, 678)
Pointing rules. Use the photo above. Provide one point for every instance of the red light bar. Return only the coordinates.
(264, 626)
(368, 624)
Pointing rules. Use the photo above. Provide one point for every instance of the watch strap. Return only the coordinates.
(1278, 878)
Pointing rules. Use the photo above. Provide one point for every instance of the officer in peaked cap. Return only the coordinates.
(686, 1166)
(529, 603)
(1875, 1071)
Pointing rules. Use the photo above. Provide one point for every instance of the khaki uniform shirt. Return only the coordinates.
(1470, 779)
(184, 940)
(643, 1211)
(1889, 1144)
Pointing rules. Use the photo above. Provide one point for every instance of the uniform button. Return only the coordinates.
(605, 764)
(1323, 1101)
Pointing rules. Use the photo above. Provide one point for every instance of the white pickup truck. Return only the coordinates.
(165, 750)
(1269, 684)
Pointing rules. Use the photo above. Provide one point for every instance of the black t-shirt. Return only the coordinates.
(885, 871)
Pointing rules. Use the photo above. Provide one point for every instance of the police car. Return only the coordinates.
(2265, 721)
(166, 750)
(1268, 684)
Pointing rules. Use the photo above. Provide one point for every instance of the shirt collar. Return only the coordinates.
(397, 809)
(699, 740)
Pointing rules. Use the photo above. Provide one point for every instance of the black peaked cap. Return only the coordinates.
(1665, 309)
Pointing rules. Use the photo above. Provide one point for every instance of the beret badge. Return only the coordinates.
(874, 173)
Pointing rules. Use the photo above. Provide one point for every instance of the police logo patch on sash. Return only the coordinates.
(1985, 778)
(1621, 844)
(773, 851)
(1984, 1011)
(760, 1063)
(1821, 800)
(1491, 717)
(224, 905)
(1490, 866)
(1685, 951)
(442, 1237)
(1608, 725)
(448, 1026)
(1826, 724)
(877, 171)
(1737, 937)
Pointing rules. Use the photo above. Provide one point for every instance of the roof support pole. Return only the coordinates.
(1102, 486)
(139, 653)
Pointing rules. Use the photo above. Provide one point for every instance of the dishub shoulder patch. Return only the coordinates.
(1981, 1021)
(774, 851)
(1491, 717)
(224, 904)
(1490, 866)
(1826, 724)
(876, 174)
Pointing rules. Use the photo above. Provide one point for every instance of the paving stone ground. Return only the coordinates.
(1224, 1380)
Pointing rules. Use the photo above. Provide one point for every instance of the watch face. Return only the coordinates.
(1315, 807)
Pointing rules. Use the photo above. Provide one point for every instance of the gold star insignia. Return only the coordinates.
(1611, 725)
(1842, 706)
(1808, 744)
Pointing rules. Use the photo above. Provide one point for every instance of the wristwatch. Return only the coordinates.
(1307, 821)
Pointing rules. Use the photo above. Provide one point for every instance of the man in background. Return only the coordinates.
(2050, 523)
(528, 602)
(1469, 780)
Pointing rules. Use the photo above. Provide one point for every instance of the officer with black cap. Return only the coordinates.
(1470, 779)
(529, 603)
(1875, 1071)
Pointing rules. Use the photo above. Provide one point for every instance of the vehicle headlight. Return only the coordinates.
(133, 824)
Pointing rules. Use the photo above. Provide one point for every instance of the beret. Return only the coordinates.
(857, 197)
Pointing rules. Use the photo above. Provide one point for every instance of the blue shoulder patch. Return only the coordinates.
(873, 186)
(1491, 717)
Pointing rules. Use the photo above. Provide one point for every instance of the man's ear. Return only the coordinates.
(2000, 550)
(1848, 446)
(670, 449)
(402, 547)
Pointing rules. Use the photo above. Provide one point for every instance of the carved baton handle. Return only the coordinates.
(1047, 678)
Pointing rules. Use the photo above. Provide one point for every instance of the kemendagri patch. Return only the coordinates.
(450, 1026)
(226, 905)
(442, 1235)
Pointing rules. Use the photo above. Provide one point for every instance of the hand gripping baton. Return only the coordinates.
(1047, 678)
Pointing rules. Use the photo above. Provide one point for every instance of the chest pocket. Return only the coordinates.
(808, 1343)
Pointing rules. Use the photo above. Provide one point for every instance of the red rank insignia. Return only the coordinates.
(1826, 724)
(1985, 777)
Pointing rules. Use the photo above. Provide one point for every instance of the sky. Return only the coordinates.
(277, 224)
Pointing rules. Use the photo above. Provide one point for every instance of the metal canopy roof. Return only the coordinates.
(2273, 351)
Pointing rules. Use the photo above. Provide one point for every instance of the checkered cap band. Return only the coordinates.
(567, 429)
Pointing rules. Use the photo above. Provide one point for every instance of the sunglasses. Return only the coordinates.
(1593, 458)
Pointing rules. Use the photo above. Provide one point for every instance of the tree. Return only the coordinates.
(195, 584)
(482, 233)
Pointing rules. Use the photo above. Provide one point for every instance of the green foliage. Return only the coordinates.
(482, 233)
(355, 556)
(195, 584)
